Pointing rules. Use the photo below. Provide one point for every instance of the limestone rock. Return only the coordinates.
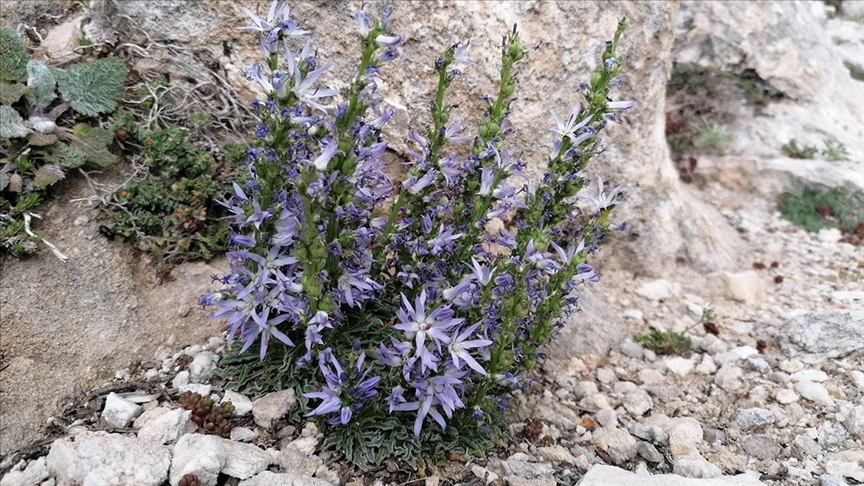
(601, 475)
(117, 459)
(855, 422)
(761, 446)
(678, 365)
(243, 434)
(638, 402)
(684, 434)
(786, 396)
(201, 389)
(830, 333)
(695, 466)
(244, 460)
(295, 461)
(809, 375)
(149, 415)
(201, 455)
(556, 454)
(658, 289)
(815, 392)
(618, 443)
(754, 418)
(242, 404)
(744, 287)
(728, 377)
(268, 478)
(168, 427)
(119, 412)
(272, 407)
(202, 366)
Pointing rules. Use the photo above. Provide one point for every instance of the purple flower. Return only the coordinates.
(451, 131)
(460, 345)
(330, 147)
(267, 328)
(388, 40)
(356, 287)
(364, 22)
(620, 105)
(585, 272)
(568, 128)
(603, 200)
(444, 238)
(276, 14)
(339, 397)
(460, 53)
(304, 88)
(437, 391)
(414, 185)
(418, 325)
(258, 216)
(487, 178)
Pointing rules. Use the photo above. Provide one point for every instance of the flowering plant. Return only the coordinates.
(402, 320)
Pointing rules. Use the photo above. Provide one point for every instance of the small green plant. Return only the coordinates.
(41, 138)
(835, 151)
(795, 151)
(856, 71)
(711, 136)
(14, 237)
(207, 414)
(815, 208)
(857, 17)
(671, 342)
(758, 92)
(171, 211)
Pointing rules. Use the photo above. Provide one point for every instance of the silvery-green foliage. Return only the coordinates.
(93, 88)
(41, 82)
(11, 123)
(93, 143)
(13, 56)
(12, 92)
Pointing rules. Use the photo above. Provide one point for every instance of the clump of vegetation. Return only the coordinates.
(795, 151)
(698, 110)
(42, 138)
(835, 151)
(171, 209)
(815, 208)
(211, 417)
(758, 92)
(676, 343)
(711, 137)
(381, 299)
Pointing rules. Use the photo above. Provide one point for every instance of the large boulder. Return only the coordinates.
(799, 53)
(667, 222)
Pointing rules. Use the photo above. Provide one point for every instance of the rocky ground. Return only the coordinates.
(774, 396)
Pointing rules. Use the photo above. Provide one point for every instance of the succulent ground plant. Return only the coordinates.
(211, 417)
